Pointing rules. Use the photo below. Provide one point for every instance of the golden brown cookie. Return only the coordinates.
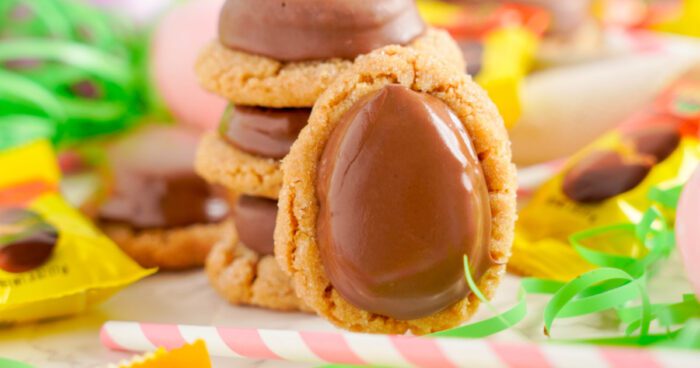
(169, 249)
(246, 79)
(220, 163)
(296, 242)
(243, 277)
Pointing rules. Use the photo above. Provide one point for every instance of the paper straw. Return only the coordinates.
(383, 350)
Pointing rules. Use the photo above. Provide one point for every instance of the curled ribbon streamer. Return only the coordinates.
(618, 281)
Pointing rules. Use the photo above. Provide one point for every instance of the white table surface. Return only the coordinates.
(186, 298)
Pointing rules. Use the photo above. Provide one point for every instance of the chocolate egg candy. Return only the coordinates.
(26, 240)
(296, 30)
(604, 174)
(401, 199)
(658, 141)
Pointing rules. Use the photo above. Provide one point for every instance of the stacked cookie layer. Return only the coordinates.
(157, 209)
(272, 61)
(244, 156)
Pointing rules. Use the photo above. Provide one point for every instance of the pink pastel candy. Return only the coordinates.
(688, 229)
(178, 40)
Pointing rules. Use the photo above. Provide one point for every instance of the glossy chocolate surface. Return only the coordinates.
(402, 198)
(296, 30)
(255, 219)
(263, 131)
(149, 200)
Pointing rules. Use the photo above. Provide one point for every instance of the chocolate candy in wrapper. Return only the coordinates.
(608, 183)
(53, 261)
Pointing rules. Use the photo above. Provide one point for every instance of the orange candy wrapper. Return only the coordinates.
(193, 355)
(53, 261)
(609, 183)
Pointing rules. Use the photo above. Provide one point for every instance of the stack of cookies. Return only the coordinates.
(272, 60)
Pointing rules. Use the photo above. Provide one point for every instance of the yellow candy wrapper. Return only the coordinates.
(609, 183)
(499, 41)
(686, 23)
(53, 261)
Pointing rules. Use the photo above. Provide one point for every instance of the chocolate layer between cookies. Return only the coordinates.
(254, 218)
(260, 131)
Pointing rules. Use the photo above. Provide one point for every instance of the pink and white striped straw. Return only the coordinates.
(383, 350)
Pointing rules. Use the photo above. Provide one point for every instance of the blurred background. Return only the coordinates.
(561, 72)
(89, 75)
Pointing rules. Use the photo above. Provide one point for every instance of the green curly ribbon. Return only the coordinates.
(68, 44)
(615, 284)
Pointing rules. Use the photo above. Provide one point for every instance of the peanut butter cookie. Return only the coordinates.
(169, 249)
(404, 167)
(250, 79)
(242, 276)
(221, 163)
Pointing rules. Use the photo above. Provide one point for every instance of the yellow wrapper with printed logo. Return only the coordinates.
(609, 183)
(53, 261)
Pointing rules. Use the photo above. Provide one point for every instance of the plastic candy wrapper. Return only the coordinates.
(68, 71)
(498, 41)
(684, 22)
(609, 182)
(53, 262)
(193, 355)
(636, 13)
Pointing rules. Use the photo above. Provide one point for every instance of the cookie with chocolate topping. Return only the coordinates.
(158, 210)
(404, 168)
(244, 154)
(243, 269)
(284, 53)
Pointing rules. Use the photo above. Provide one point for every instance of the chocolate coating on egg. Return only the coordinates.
(402, 198)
